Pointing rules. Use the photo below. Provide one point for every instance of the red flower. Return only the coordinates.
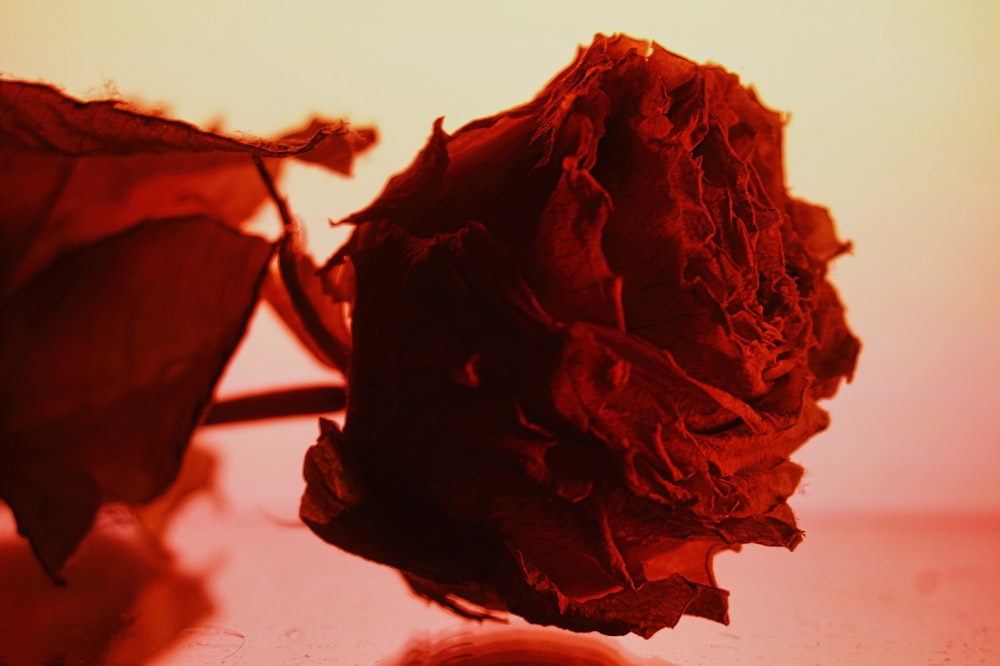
(588, 333)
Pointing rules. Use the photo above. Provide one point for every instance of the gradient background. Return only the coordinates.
(894, 125)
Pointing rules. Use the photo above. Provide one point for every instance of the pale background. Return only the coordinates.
(894, 126)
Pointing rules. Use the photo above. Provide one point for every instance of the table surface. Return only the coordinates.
(235, 579)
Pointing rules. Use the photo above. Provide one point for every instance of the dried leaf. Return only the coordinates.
(73, 172)
(108, 359)
(125, 286)
(315, 312)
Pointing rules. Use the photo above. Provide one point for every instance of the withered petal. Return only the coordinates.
(588, 334)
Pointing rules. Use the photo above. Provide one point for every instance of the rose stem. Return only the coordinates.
(305, 401)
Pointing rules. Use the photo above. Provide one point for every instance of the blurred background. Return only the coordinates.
(893, 113)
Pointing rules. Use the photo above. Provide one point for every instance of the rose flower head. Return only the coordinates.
(587, 334)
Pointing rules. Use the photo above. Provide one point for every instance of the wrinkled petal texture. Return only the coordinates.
(125, 286)
(588, 334)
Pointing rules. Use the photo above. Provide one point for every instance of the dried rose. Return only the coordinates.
(588, 333)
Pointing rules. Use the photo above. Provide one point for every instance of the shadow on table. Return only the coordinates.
(124, 603)
(125, 600)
